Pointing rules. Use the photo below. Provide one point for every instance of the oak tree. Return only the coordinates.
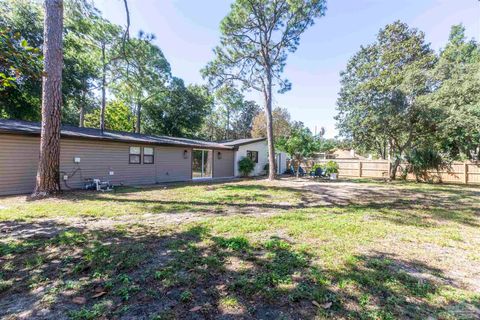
(456, 100)
(118, 116)
(381, 103)
(178, 110)
(281, 122)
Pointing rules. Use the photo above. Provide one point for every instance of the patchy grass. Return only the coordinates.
(215, 198)
(255, 249)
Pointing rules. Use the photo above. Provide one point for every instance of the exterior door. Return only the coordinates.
(202, 163)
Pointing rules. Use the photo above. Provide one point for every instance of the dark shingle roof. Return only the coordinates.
(239, 142)
(33, 128)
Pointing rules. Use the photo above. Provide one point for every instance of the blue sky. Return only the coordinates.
(187, 30)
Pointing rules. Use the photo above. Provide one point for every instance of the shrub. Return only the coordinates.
(422, 162)
(331, 167)
(246, 166)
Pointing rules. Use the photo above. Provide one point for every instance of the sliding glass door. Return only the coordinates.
(202, 163)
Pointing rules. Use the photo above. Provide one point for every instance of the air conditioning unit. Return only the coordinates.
(98, 185)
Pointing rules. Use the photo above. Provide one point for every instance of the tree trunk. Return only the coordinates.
(297, 174)
(394, 168)
(48, 173)
(228, 124)
(139, 114)
(81, 122)
(270, 137)
(104, 85)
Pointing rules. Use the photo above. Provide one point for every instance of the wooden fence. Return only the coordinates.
(459, 172)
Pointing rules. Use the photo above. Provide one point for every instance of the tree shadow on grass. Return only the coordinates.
(405, 208)
(405, 213)
(144, 272)
(44, 229)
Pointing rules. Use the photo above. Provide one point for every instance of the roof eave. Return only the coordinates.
(248, 142)
(107, 138)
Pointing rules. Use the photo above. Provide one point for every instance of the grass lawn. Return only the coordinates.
(289, 249)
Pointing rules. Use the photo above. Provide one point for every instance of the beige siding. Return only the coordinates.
(171, 164)
(18, 163)
(19, 158)
(97, 159)
(223, 167)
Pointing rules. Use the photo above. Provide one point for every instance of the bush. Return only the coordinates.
(246, 166)
(422, 162)
(331, 167)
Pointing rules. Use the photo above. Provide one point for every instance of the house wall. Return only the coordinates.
(223, 167)
(171, 164)
(19, 160)
(261, 147)
(18, 163)
(98, 159)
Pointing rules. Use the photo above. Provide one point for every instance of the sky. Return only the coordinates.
(188, 30)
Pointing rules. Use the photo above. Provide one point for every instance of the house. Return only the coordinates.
(119, 157)
(257, 150)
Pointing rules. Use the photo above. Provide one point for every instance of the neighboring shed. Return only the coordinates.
(119, 157)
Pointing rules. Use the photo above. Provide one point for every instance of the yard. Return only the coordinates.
(289, 249)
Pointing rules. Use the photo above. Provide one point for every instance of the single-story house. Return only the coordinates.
(122, 158)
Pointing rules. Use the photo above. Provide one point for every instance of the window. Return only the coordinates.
(253, 155)
(148, 155)
(134, 156)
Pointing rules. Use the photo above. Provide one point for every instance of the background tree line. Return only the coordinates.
(110, 81)
(402, 100)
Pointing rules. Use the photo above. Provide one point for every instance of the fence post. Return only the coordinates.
(465, 173)
(360, 169)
